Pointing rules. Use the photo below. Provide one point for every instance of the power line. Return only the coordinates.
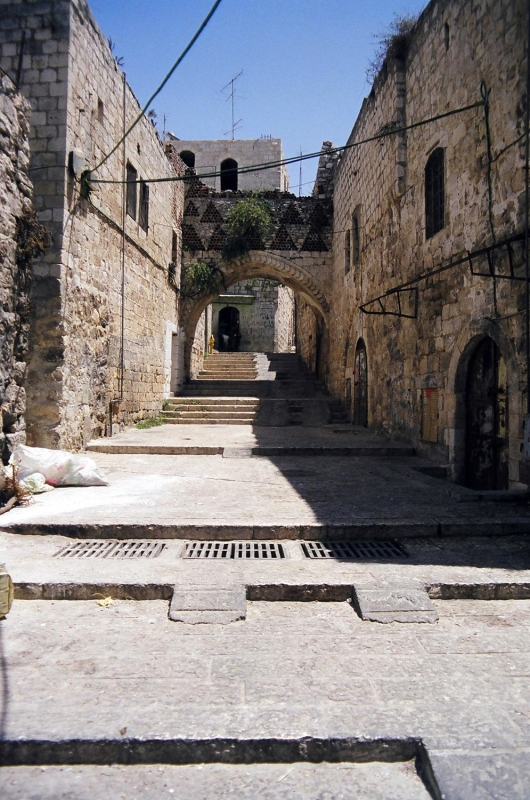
(307, 156)
(168, 76)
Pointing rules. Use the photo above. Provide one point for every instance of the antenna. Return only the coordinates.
(231, 96)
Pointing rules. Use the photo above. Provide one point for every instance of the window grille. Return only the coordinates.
(132, 190)
(434, 193)
(356, 239)
(347, 251)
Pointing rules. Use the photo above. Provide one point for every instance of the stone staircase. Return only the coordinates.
(263, 389)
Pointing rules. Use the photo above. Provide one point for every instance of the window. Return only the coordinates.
(132, 190)
(434, 193)
(143, 216)
(347, 251)
(174, 248)
(189, 158)
(229, 175)
(101, 111)
(356, 238)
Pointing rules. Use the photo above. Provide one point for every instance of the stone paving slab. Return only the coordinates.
(379, 603)
(374, 781)
(291, 671)
(200, 605)
(287, 497)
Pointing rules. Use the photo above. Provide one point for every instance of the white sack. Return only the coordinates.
(58, 467)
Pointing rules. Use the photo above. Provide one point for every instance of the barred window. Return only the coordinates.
(131, 196)
(434, 193)
(143, 216)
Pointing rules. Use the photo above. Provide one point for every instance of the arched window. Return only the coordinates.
(189, 158)
(229, 175)
(434, 193)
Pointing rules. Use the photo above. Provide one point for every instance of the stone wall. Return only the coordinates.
(15, 199)
(104, 294)
(380, 187)
(209, 154)
(284, 320)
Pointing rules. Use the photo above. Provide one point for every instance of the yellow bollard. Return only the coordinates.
(211, 343)
(7, 592)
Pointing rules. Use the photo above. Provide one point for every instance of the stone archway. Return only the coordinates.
(257, 264)
(457, 388)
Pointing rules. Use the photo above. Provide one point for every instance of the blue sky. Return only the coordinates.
(303, 62)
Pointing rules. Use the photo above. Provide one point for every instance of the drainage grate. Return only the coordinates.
(378, 549)
(261, 550)
(98, 549)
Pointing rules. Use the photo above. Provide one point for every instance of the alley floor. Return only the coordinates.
(397, 673)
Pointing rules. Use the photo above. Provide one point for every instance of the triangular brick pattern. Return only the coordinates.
(282, 240)
(317, 218)
(212, 214)
(196, 189)
(190, 238)
(191, 210)
(254, 242)
(292, 216)
(313, 243)
(218, 240)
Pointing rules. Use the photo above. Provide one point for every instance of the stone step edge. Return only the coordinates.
(259, 451)
(271, 592)
(205, 531)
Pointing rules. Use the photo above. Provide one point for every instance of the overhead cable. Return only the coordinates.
(168, 76)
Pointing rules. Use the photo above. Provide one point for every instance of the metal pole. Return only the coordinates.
(527, 215)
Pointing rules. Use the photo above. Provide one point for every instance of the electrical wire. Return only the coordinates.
(159, 89)
(307, 156)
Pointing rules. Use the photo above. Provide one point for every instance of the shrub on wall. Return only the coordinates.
(200, 279)
(248, 223)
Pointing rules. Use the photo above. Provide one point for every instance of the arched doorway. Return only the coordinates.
(486, 459)
(229, 334)
(360, 385)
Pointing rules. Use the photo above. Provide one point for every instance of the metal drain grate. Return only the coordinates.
(261, 550)
(382, 549)
(97, 549)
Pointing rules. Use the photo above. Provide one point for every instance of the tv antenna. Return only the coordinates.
(231, 96)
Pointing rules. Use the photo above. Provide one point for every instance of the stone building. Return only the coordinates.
(15, 207)
(426, 339)
(228, 157)
(104, 340)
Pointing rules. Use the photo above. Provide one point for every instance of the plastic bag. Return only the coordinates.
(58, 467)
(35, 483)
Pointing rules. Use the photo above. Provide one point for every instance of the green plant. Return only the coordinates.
(166, 405)
(248, 223)
(32, 238)
(392, 44)
(200, 278)
(150, 422)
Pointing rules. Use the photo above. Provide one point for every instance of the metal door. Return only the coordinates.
(486, 419)
(360, 386)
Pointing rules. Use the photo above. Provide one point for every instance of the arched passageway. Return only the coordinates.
(486, 412)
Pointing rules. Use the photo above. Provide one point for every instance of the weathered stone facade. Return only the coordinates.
(15, 201)
(105, 342)
(419, 355)
(209, 155)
